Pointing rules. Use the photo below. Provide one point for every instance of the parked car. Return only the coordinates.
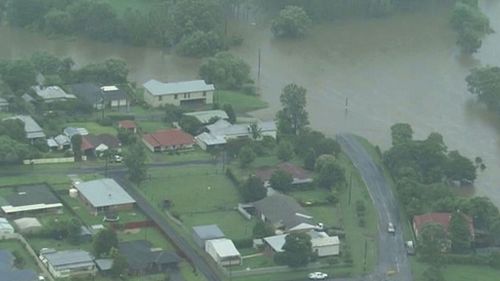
(318, 276)
(410, 248)
(390, 228)
(116, 158)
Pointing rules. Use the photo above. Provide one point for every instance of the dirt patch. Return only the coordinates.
(132, 231)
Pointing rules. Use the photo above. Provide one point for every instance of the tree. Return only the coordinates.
(58, 22)
(460, 168)
(401, 133)
(329, 175)
(173, 113)
(104, 241)
(18, 74)
(281, 180)
(112, 71)
(255, 131)
(292, 21)
(73, 228)
(310, 159)
(297, 250)
(13, 152)
(228, 108)
(284, 151)
(328, 146)
(253, 189)
(190, 124)
(471, 25)
(246, 156)
(14, 128)
(25, 12)
(120, 264)
(432, 243)
(485, 83)
(483, 212)
(76, 144)
(293, 118)
(226, 71)
(95, 19)
(433, 273)
(136, 27)
(200, 44)
(262, 229)
(126, 137)
(135, 160)
(460, 235)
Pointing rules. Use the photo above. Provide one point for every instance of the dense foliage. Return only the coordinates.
(485, 83)
(226, 71)
(470, 24)
(292, 21)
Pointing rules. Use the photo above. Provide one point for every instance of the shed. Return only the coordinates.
(223, 252)
(203, 233)
(5, 226)
(28, 225)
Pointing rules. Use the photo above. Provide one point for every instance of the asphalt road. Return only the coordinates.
(392, 253)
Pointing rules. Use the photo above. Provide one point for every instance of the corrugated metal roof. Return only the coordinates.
(206, 232)
(224, 247)
(157, 88)
(69, 257)
(104, 192)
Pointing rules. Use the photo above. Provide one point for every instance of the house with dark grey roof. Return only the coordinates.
(29, 199)
(4, 104)
(203, 233)
(114, 97)
(10, 273)
(31, 128)
(178, 93)
(143, 259)
(52, 94)
(284, 213)
(89, 93)
(104, 195)
(68, 263)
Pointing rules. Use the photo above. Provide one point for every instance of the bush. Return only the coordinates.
(243, 243)
(232, 177)
(106, 121)
(120, 117)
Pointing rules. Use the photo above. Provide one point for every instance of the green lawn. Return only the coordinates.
(152, 126)
(181, 156)
(232, 223)
(142, 5)
(241, 103)
(93, 127)
(15, 246)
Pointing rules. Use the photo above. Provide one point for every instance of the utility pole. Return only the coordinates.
(350, 188)
(366, 253)
(258, 68)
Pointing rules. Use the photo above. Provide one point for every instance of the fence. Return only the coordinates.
(51, 160)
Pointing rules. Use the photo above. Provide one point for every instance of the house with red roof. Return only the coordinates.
(171, 139)
(299, 175)
(94, 145)
(128, 125)
(442, 219)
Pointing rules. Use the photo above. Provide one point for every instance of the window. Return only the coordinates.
(204, 94)
(175, 96)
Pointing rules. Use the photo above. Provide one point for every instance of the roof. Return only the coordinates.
(28, 222)
(3, 102)
(88, 92)
(104, 192)
(27, 98)
(52, 93)
(62, 140)
(110, 93)
(127, 124)
(276, 242)
(282, 209)
(69, 258)
(442, 219)
(30, 198)
(210, 139)
(92, 141)
(205, 116)
(298, 174)
(71, 131)
(207, 232)
(5, 225)
(157, 88)
(139, 254)
(224, 247)
(227, 130)
(104, 264)
(169, 138)
(52, 143)
(19, 275)
(321, 239)
(31, 127)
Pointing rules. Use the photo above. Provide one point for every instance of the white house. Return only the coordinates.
(322, 244)
(223, 252)
(178, 93)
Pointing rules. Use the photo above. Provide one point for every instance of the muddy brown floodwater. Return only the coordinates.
(405, 68)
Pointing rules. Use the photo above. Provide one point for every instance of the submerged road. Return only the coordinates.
(392, 256)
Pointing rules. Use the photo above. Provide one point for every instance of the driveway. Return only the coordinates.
(392, 254)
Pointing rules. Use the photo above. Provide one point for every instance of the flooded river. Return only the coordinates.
(405, 68)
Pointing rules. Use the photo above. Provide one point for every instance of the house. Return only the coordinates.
(31, 128)
(284, 213)
(204, 233)
(172, 139)
(104, 195)
(31, 199)
(143, 259)
(221, 131)
(128, 125)
(68, 263)
(71, 131)
(97, 144)
(322, 244)
(205, 117)
(178, 93)
(88, 93)
(5, 227)
(442, 219)
(299, 175)
(52, 94)
(223, 252)
(114, 97)
(10, 273)
(59, 142)
(28, 225)
(4, 105)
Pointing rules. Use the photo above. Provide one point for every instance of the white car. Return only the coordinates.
(318, 276)
(390, 228)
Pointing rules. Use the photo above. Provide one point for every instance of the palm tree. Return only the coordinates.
(255, 130)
